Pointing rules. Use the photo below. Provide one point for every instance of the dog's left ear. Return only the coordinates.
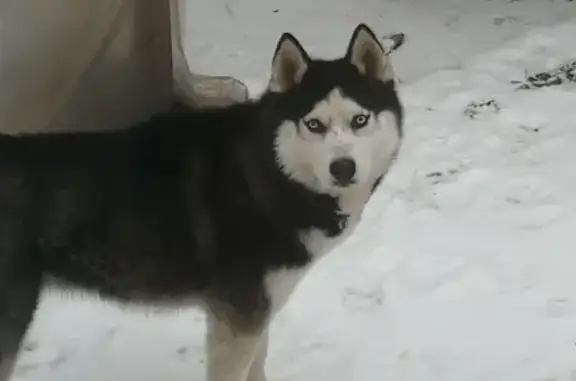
(289, 64)
(369, 56)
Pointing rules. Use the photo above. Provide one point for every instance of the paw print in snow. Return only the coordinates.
(359, 299)
(438, 177)
(473, 109)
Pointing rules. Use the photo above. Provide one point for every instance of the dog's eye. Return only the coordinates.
(360, 120)
(316, 126)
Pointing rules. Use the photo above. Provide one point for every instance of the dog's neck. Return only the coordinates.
(277, 195)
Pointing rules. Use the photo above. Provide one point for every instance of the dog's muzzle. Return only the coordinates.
(343, 171)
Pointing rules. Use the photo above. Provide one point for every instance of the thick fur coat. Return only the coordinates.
(226, 207)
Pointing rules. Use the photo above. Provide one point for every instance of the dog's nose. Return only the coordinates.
(343, 171)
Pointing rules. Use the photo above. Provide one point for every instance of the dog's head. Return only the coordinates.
(338, 123)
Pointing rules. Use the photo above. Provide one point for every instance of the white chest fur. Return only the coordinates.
(351, 204)
(280, 283)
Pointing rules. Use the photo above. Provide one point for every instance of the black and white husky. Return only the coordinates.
(224, 207)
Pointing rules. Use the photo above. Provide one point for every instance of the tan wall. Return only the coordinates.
(47, 46)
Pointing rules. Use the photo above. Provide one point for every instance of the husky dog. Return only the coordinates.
(224, 207)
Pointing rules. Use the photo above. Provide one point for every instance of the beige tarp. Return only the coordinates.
(199, 90)
(85, 64)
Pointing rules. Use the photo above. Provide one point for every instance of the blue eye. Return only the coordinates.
(315, 126)
(359, 121)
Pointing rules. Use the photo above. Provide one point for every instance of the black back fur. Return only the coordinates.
(189, 201)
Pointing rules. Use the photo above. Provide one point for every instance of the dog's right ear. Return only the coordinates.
(289, 64)
(369, 56)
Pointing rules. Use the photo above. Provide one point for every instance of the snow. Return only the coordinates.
(463, 267)
(237, 37)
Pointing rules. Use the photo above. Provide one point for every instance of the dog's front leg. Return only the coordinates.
(279, 286)
(257, 372)
(232, 347)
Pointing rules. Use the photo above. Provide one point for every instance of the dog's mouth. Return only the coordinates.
(343, 184)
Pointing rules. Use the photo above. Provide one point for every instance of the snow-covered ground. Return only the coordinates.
(464, 267)
(238, 37)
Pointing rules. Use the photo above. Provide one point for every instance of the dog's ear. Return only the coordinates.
(289, 64)
(393, 41)
(369, 56)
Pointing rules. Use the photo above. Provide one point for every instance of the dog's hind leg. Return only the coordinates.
(20, 283)
(17, 305)
(6, 367)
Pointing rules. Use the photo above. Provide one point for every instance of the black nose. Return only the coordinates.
(343, 171)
